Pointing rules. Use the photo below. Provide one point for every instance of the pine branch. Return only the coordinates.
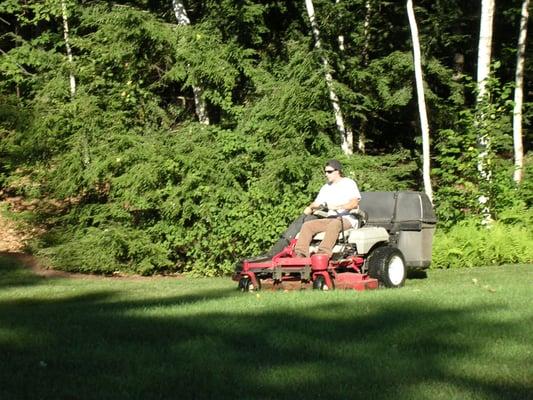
(18, 65)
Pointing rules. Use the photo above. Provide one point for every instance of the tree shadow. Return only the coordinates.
(417, 274)
(14, 273)
(99, 346)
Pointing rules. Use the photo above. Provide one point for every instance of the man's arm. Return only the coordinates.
(350, 205)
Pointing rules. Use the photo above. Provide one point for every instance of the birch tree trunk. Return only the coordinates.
(346, 142)
(199, 103)
(67, 45)
(349, 132)
(86, 158)
(485, 46)
(421, 100)
(340, 38)
(361, 143)
(483, 71)
(519, 95)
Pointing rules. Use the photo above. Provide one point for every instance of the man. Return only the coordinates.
(340, 195)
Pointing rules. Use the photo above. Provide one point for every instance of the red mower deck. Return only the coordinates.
(318, 270)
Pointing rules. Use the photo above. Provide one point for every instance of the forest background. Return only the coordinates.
(168, 136)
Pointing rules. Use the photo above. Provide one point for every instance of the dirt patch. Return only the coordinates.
(11, 239)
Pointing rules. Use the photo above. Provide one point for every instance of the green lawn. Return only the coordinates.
(459, 334)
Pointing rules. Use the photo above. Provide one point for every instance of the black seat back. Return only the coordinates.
(398, 211)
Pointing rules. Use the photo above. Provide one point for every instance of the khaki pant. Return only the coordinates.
(331, 226)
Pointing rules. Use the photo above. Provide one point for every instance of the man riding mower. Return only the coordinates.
(361, 241)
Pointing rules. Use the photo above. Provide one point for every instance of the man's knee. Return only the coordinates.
(306, 225)
(312, 226)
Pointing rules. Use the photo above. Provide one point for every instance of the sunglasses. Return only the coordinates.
(329, 171)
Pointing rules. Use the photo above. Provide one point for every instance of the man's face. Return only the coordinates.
(331, 174)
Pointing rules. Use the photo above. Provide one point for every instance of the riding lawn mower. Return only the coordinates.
(394, 234)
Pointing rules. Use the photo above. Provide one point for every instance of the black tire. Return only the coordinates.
(320, 283)
(387, 265)
(246, 285)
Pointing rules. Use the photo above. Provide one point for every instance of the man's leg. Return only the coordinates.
(289, 234)
(332, 231)
(309, 229)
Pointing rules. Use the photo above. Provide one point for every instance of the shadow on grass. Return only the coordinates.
(417, 274)
(97, 346)
(13, 273)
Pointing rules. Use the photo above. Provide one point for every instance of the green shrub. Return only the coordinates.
(106, 251)
(194, 202)
(468, 244)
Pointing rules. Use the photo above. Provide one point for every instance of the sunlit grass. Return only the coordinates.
(463, 334)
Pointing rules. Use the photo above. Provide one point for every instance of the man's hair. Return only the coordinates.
(335, 164)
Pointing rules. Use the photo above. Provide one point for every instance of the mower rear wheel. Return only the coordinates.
(320, 283)
(246, 284)
(387, 265)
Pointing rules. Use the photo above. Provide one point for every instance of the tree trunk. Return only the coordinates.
(349, 132)
(458, 66)
(519, 94)
(483, 71)
(86, 158)
(199, 103)
(346, 141)
(361, 143)
(424, 126)
(340, 38)
(67, 45)
(485, 46)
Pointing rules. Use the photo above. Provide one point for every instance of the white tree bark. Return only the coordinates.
(485, 46)
(366, 31)
(519, 95)
(340, 38)
(421, 100)
(346, 142)
(67, 45)
(349, 132)
(84, 139)
(483, 72)
(361, 142)
(201, 110)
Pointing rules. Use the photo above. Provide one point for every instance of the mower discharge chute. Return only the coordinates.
(394, 232)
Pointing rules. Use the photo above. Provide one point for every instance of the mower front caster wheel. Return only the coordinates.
(246, 285)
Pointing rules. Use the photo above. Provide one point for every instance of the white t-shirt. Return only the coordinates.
(340, 192)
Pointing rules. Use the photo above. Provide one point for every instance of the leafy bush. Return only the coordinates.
(468, 244)
(194, 201)
(114, 249)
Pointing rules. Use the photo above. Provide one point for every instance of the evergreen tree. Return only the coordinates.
(127, 179)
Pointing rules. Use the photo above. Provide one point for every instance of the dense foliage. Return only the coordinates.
(126, 177)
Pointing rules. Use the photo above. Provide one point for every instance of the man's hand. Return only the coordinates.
(312, 207)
